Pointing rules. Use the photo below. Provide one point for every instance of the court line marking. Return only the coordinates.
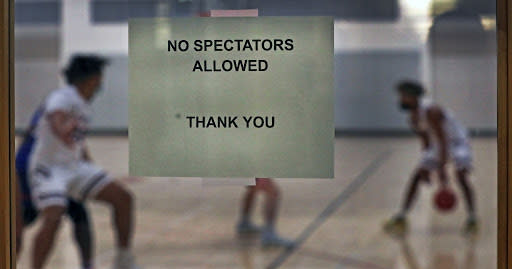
(342, 260)
(331, 208)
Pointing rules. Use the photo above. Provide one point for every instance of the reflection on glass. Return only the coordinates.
(447, 45)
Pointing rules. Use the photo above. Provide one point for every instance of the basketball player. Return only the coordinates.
(443, 139)
(269, 237)
(57, 170)
(27, 211)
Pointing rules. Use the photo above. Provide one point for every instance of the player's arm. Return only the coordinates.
(425, 142)
(63, 124)
(86, 156)
(435, 119)
(424, 139)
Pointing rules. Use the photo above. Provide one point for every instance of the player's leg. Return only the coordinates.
(245, 225)
(48, 189)
(45, 236)
(92, 182)
(25, 209)
(467, 190)
(398, 223)
(27, 215)
(463, 163)
(471, 225)
(122, 204)
(428, 161)
(419, 176)
(269, 236)
(272, 198)
(81, 232)
(121, 201)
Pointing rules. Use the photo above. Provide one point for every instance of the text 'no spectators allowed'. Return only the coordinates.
(231, 97)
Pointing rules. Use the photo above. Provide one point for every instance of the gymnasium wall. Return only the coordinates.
(36, 68)
(370, 58)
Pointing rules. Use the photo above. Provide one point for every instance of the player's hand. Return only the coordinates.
(69, 129)
(64, 126)
(443, 178)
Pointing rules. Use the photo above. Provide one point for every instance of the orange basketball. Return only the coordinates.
(445, 200)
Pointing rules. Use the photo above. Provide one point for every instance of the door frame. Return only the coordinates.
(504, 70)
(7, 184)
(7, 176)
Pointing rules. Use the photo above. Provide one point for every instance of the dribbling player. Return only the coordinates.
(27, 213)
(57, 170)
(443, 139)
(269, 237)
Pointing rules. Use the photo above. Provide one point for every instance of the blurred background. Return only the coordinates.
(448, 45)
(376, 44)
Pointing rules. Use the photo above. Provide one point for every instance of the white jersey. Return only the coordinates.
(49, 149)
(456, 134)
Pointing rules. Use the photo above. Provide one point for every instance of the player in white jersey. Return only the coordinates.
(443, 139)
(58, 169)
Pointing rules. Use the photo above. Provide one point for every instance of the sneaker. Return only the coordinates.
(125, 261)
(471, 226)
(246, 227)
(396, 225)
(271, 239)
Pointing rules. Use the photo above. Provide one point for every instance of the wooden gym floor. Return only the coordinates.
(182, 223)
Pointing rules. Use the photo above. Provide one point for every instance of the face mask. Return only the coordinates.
(406, 107)
(97, 92)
